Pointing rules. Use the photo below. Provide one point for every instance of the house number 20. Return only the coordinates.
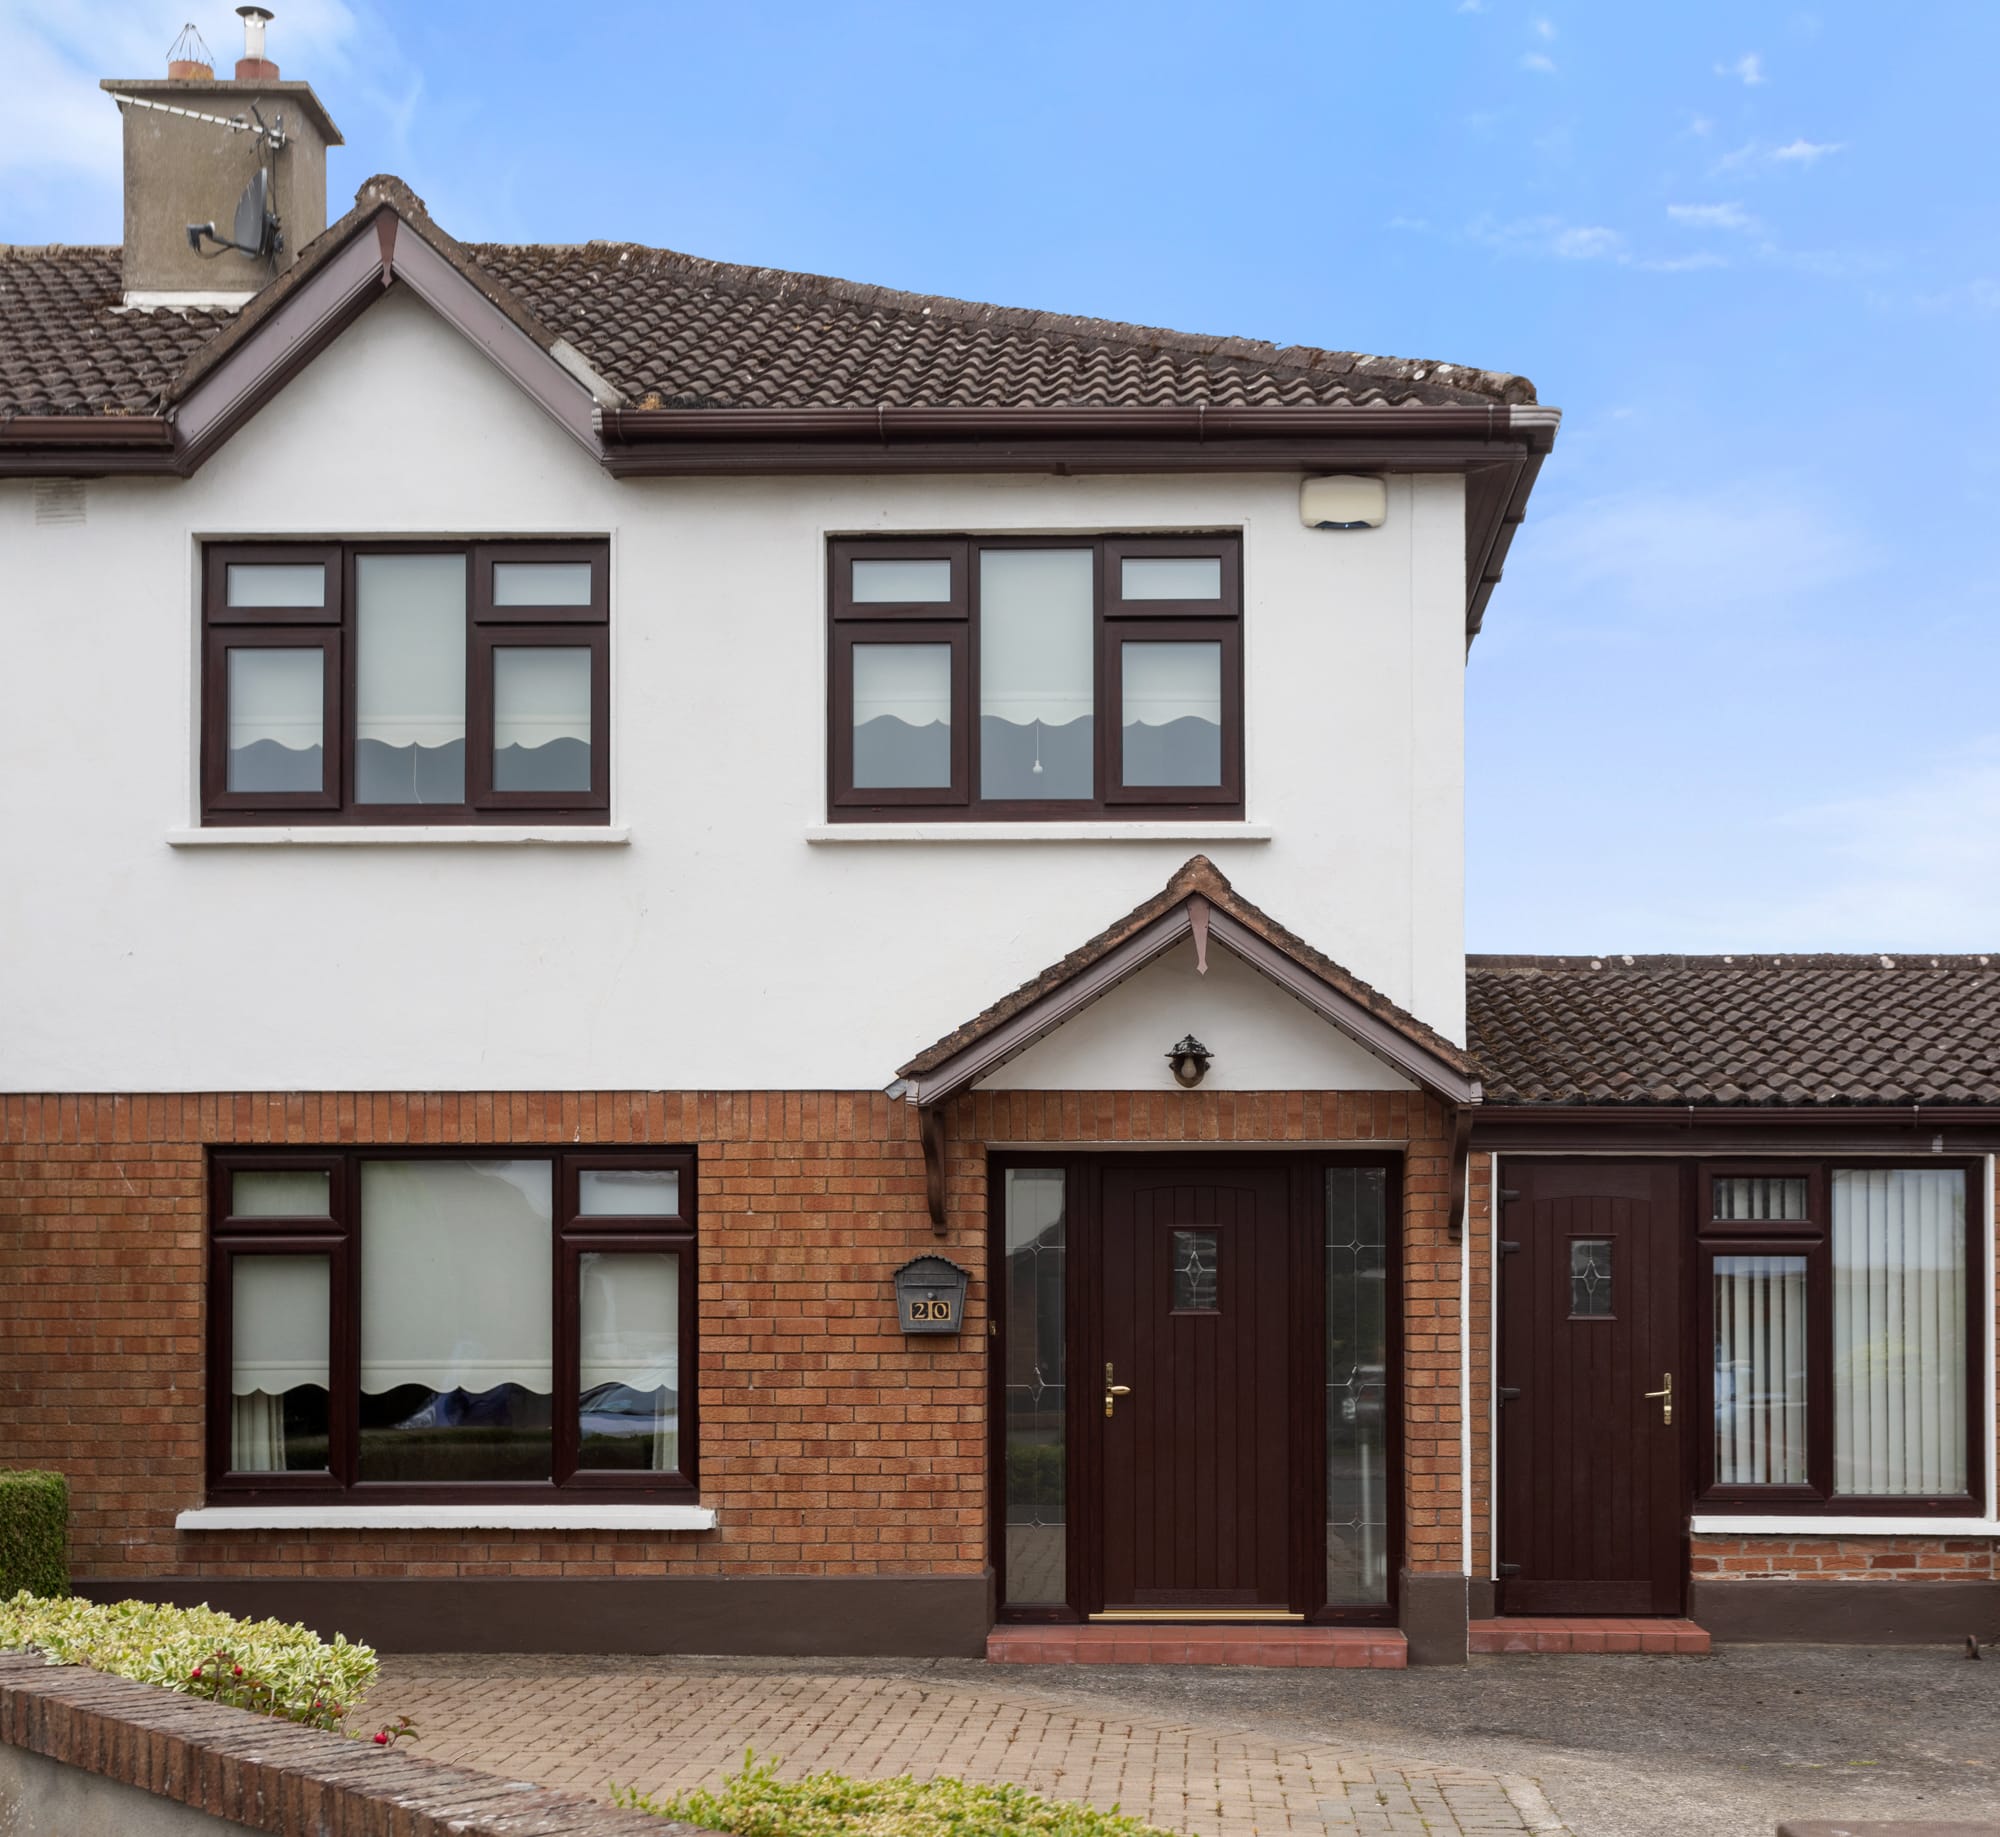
(930, 1310)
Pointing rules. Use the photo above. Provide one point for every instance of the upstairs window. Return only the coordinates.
(1036, 677)
(405, 682)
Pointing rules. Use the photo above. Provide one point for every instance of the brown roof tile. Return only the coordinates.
(1197, 875)
(1736, 1030)
(704, 334)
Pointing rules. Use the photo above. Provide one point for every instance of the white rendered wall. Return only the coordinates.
(1262, 1038)
(720, 949)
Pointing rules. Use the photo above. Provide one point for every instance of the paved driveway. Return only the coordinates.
(1601, 1747)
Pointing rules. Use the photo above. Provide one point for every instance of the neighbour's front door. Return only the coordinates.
(1591, 1489)
(1192, 1391)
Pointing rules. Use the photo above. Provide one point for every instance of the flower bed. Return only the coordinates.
(757, 1803)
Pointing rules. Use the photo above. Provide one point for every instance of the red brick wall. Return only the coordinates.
(830, 1444)
(1846, 1559)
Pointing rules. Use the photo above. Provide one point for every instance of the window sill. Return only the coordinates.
(1195, 830)
(411, 835)
(564, 1517)
(1888, 1524)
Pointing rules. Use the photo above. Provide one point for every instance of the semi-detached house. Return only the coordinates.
(703, 959)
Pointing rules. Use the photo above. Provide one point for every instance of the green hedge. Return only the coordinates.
(264, 1665)
(757, 1803)
(34, 1533)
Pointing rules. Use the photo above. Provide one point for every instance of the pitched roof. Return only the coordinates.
(705, 334)
(1272, 947)
(1736, 1030)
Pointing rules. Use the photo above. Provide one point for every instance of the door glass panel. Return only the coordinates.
(276, 583)
(1760, 1371)
(1590, 1278)
(1171, 577)
(1757, 1196)
(902, 717)
(456, 1320)
(541, 583)
(295, 1193)
(1037, 681)
(1036, 1387)
(541, 717)
(277, 732)
(409, 689)
(629, 1192)
(907, 582)
(280, 1334)
(1899, 1331)
(628, 1348)
(1172, 716)
(1357, 1404)
(1195, 1281)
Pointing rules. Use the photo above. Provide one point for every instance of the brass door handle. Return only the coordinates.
(1666, 1397)
(1112, 1392)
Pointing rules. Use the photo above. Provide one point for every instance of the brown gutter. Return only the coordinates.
(86, 446)
(85, 430)
(1698, 1116)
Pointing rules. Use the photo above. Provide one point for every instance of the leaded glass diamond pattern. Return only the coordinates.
(1197, 1288)
(1590, 1278)
(1036, 1387)
(1357, 1466)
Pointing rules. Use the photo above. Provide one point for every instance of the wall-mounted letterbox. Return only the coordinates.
(930, 1295)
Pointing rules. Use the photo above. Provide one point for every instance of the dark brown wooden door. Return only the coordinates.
(1195, 1508)
(1591, 1492)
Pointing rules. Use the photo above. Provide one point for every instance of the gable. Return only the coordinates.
(1263, 1039)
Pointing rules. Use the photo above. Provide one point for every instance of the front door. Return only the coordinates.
(1591, 1491)
(1192, 1390)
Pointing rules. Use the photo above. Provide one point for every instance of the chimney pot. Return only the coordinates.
(253, 66)
(190, 70)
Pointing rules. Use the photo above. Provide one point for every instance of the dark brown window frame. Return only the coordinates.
(338, 1235)
(332, 628)
(1812, 1239)
(956, 622)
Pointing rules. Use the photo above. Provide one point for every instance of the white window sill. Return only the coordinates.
(413, 835)
(1778, 1524)
(564, 1517)
(1191, 831)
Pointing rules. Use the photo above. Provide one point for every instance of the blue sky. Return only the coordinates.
(1738, 689)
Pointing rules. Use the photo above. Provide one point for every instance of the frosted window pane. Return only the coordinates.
(541, 583)
(1757, 1196)
(295, 1193)
(277, 729)
(1173, 714)
(1195, 1255)
(1037, 693)
(263, 583)
(279, 1318)
(629, 1192)
(1357, 1390)
(409, 679)
(541, 718)
(1172, 577)
(1760, 1371)
(902, 716)
(628, 1350)
(456, 1320)
(902, 583)
(1590, 1278)
(1899, 1348)
(1036, 1387)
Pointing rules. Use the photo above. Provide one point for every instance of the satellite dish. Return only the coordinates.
(255, 231)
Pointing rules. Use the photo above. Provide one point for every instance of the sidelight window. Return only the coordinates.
(405, 1325)
(405, 683)
(1357, 1386)
(1018, 677)
(1842, 1347)
(1035, 1380)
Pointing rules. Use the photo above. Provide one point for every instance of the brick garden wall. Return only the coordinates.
(830, 1444)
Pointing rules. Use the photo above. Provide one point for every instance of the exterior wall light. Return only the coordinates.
(1189, 1059)
(1349, 502)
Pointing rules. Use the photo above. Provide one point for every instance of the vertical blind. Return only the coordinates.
(1760, 1371)
(1899, 1331)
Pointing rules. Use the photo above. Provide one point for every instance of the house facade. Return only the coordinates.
(708, 960)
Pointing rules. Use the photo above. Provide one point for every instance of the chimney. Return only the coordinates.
(193, 146)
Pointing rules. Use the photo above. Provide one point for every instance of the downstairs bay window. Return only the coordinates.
(1839, 1306)
(407, 1326)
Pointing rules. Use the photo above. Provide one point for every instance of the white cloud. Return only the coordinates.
(1545, 29)
(1700, 127)
(1471, 6)
(1539, 61)
(1747, 69)
(1549, 236)
(1712, 216)
(1978, 298)
(1806, 152)
(1681, 264)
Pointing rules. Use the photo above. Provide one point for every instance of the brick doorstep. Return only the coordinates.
(1343, 1648)
(1582, 1633)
